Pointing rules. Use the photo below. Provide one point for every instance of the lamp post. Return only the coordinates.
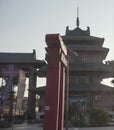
(67, 92)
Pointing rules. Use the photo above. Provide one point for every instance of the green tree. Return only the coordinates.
(98, 117)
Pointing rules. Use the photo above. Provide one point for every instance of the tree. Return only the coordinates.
(98, 117)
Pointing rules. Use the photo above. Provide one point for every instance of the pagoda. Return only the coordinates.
(87, 70)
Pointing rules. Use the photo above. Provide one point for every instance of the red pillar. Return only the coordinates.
(54, 103)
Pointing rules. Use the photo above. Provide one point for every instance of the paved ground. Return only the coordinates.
(26, 126)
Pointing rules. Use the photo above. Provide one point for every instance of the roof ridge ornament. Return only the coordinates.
(77, 20)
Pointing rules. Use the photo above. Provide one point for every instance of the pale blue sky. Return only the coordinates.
(24, 23)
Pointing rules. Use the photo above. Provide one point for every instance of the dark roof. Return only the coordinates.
(91, 66)
(77, 32)
(81, 35)
(88, 47)
(84, 38)
(17, 57)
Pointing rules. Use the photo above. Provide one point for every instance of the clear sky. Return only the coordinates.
(24, 23)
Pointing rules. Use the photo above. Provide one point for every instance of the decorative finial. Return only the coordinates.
(77, 22)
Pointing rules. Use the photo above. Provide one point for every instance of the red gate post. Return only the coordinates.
(54, 99)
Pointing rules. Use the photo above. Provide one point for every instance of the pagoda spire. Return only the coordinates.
(77, 20)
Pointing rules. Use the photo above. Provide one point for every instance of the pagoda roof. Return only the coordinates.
(81, 35)
(88, 47)
(77, 32)
(82, 38)
(91, 39)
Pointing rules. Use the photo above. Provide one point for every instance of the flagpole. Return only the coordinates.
(1, 99)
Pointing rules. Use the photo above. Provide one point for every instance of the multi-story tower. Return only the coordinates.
(87, 70)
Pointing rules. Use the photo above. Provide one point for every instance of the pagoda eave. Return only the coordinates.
(83, 38)
(91, 88)
(89, 48)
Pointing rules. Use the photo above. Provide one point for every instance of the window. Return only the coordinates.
(97, 98)
(82, 80)
(84, 57)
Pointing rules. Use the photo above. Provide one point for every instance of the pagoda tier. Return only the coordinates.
(88, 40)
(91, 88)
(91, 54)
(98, 69)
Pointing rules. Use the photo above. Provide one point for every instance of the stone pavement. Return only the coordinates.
(26, 126)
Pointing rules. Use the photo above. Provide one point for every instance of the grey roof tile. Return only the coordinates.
(14, 57)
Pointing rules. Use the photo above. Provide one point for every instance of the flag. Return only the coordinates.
(21, 89)
(21, 84)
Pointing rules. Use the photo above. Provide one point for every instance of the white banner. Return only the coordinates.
(21, 84)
